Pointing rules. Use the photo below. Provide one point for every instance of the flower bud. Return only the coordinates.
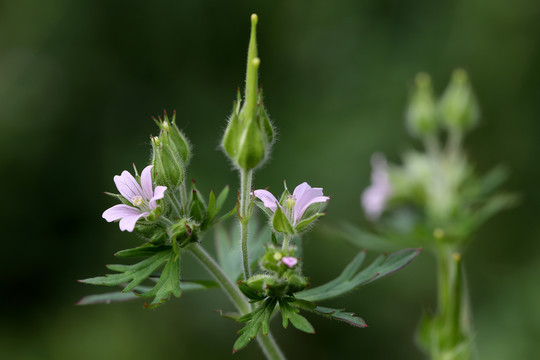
(184, 231)
(249, 133)
(168, 166)
(458, 107)
(421, 116)
(177, 139)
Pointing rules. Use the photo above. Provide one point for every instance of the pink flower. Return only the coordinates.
(289, 261)
(375, 196)
(142, 196)
(303, 196)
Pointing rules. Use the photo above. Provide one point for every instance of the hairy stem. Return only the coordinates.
(268, 345)
(244, 214)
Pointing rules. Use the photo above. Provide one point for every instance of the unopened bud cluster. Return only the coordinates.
(456, 110)
(281, 275)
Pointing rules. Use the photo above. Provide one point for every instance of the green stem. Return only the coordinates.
(172, 201)
(245, 214)
(268, 345)
(286, 240)
(232, 291)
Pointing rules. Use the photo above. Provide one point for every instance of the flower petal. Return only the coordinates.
(159, 193)
(299, 211)
(146, 182)
(128, 222)
(267, 198)
(132, 183)
(126, 192)
(289, 261)
(119, 211)
(304, 194)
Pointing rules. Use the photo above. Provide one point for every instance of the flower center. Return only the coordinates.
(137, 200)
(291, 200)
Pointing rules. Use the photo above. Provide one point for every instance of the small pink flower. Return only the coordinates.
(303, 196)
(375, 196)
(143, 197)
(289, 261)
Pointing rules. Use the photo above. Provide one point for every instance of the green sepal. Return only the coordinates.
(222, 197)
(290, 313)
(197, 208)
(351, 279)
(211, 210)
(304, 224)
(119, 197)
(260, 317)
(280, 223)
(250, 292)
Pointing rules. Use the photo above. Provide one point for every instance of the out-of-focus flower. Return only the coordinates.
(375, 197)
(142, 196)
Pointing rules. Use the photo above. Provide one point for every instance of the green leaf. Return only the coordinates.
(132, 274)
(290, 313)
(280, 223)
(118, 296)
(256, 319)
(339, 314)
(350, 279)
(144, 250)
(168, 284)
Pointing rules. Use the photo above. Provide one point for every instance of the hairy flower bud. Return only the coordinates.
(184, 231)
(249, 133)
(168, 166)
(458, 107)
(176, 139)
(421, 114)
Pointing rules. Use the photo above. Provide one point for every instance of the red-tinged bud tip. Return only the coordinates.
(194, 191)
(313, 332)
(193, 181)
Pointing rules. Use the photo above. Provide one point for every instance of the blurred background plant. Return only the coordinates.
(80, 80)
(435, 199)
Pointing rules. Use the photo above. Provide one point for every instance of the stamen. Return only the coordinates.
(137, 200)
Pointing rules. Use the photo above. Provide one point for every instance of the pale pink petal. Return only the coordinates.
(298, 212)
(132, 184)
(289, 261)
(128, 222)
(305, 199)
(119, 211)
(299, 190)
(146, 182)
(159, 193)
(267, 198)
(123, 188)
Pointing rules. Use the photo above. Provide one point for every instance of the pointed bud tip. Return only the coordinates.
(254, 19)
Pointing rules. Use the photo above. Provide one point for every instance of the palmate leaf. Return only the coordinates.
(336, 314)
(291, 313)
(351, 279)
(119, 296)
(133, 275)
(257, 319)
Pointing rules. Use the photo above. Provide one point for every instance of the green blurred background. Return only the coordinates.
(80, 80)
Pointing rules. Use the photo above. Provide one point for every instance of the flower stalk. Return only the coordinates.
(268, 344)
